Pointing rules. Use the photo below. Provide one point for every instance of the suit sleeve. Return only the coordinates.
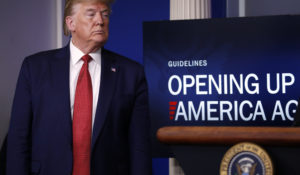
(19, 133)
(139, 134)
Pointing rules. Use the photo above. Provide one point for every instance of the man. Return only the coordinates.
(80, 110)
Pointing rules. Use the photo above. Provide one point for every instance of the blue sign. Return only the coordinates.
(223, 72)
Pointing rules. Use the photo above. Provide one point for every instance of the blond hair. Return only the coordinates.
(68, 11)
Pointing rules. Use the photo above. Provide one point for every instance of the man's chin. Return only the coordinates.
(100, 41)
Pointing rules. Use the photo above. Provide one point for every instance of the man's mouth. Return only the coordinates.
(98, 32)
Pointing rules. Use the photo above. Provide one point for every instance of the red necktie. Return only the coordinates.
(82, 121)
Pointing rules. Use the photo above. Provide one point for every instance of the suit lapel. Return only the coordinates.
(60, 70)
(107, 85)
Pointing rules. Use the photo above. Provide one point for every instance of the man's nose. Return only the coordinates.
(99, 19)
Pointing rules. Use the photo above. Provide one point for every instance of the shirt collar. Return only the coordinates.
(76, 54)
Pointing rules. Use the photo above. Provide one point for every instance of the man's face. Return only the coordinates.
(89, 23)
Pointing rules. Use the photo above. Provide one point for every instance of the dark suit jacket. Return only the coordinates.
(3, 157)
(40, 133)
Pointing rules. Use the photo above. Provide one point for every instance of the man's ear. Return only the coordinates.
(70, 23)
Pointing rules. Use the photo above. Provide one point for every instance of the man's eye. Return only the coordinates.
(105, 14)
(90, 14)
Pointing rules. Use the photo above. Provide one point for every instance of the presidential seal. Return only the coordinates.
(246, 159)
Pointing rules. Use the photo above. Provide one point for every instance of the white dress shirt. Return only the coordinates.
(95, 72)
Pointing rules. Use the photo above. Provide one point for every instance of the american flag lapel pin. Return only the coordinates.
(113, 69)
